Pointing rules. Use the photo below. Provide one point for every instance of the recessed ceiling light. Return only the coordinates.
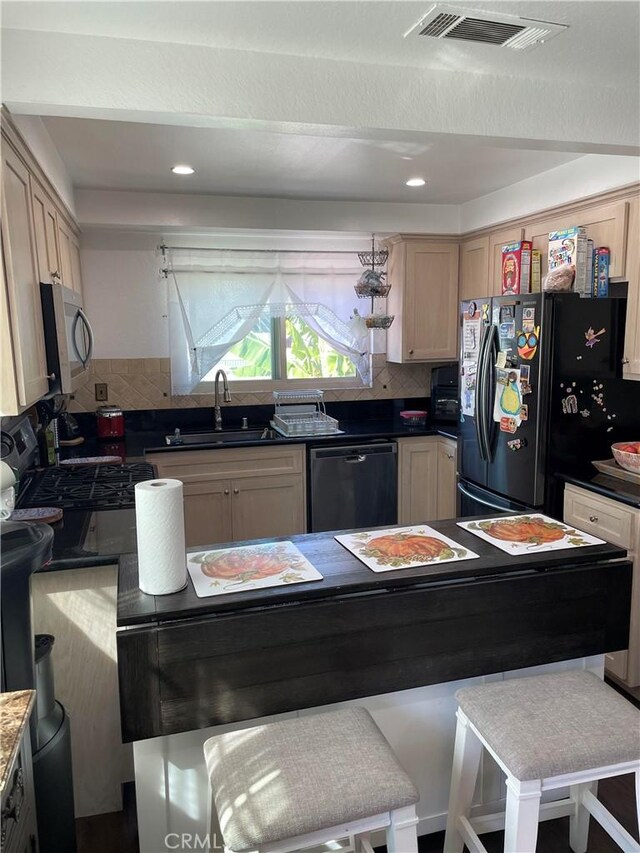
(416, 182)
(182, 170)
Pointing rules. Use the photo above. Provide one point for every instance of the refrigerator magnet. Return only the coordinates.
(508, 425)
(525, 388)
(524, 412)
(527, 343)
(508, 329)
(570, 405)
(529, 314)
(524, 373)
(502, 376)
(517, 443)
(593, 338)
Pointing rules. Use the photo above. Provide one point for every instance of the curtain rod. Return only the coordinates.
(163, 248)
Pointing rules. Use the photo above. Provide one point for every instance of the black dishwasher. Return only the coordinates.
(353, 486)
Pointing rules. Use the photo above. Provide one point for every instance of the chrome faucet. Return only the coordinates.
(226, 395)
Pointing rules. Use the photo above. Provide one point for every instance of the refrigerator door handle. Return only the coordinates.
(479, 402)
(491, 358)
(485, 403)
(479, 500)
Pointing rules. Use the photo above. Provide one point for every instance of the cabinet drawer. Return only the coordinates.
(601, 517)
(193, 466)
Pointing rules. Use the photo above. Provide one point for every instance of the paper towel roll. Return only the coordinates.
(162, 560)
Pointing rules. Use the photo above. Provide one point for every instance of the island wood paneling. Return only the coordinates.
(200, 672)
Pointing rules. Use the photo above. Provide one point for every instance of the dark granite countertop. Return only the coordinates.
(609, 487)
(343, 573)
(368, 430)
(86, 538)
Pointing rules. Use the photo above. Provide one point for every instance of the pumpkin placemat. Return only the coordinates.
(528, 534)
(403, 548)
(248, 567)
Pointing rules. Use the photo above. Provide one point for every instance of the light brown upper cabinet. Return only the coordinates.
(424, 299)
(24, 370)
(474, 268)
(606, 225)
(76, 275)
(497, 240)
(46, 234)
(65, 236)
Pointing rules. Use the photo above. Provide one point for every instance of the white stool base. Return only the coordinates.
(524, 810)
(400, 827)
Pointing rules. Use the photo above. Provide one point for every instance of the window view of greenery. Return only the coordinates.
(260, 354)
(311, 357)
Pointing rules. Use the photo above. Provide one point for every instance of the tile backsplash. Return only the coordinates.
(145, 383)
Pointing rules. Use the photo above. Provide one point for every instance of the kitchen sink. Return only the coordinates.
(223, 437)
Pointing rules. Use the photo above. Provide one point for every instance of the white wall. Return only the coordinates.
(125, 296)
(38, 140)
(188, 212)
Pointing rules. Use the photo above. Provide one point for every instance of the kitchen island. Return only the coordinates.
(400, 643)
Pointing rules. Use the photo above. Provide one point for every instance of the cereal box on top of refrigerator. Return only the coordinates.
(516, 267)
(569, 247)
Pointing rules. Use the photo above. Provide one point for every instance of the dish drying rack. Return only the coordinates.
(302, 413)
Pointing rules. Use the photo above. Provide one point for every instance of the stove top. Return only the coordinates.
(90, 487)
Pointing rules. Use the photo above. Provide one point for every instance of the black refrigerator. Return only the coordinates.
(536, 372)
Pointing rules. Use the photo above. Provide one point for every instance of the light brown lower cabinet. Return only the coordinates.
(620, 524)
(233, 494)
(447, 473)
(426, 479)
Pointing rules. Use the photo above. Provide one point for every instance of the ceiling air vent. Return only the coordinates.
(448, 22)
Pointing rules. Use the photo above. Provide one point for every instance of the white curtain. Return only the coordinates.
(216, 297)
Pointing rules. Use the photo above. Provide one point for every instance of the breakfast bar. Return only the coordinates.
(397, 642)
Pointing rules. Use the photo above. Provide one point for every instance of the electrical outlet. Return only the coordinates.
(101, 391)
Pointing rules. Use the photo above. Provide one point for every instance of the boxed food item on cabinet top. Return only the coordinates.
(516, 267)
(601, 272)
(569, 247)
(535, 271)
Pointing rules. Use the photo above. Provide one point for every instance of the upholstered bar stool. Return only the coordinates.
(565, 729)
(300, 783)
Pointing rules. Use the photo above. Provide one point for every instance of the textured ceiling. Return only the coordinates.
(601, 43)
(124, 155)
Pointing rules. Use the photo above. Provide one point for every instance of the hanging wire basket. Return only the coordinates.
(374, 258)
(379, 321)
(371, 285)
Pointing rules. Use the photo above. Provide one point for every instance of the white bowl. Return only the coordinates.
(625, 459)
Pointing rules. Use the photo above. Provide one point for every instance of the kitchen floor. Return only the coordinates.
(117, 832)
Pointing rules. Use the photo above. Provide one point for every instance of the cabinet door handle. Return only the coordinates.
(226, 491)
(449, 455)
(55, 274)
(593, 518)
(236, 491)
(410, 352)
(625, 360)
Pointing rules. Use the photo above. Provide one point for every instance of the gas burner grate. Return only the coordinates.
(98, 487)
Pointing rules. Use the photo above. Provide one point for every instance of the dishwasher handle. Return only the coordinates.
(353, 453)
